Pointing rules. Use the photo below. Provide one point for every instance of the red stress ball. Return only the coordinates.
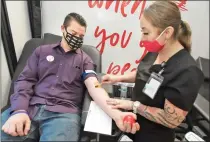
(130, 119)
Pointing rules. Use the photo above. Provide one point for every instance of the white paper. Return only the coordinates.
(125, 138)
(97, 120)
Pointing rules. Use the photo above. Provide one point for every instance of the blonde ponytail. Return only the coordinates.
(184, 35)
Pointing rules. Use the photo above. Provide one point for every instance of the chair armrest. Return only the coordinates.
(190, 136)
(202, 105)
(85, 107)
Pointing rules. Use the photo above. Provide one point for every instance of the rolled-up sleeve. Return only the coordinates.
(183, 90)
(89, 68)
(23, 86)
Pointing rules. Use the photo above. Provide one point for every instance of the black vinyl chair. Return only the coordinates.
(203, 64)
(201, 109)
(30, 46)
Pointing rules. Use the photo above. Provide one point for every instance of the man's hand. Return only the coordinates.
(17, 125)
(110, 79)
(126, 126)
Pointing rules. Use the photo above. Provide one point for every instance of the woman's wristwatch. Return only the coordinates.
(136, 104)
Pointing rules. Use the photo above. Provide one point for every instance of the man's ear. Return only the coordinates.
(169, 32)
(62, 28)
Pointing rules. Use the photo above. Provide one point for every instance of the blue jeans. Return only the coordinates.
(51, 126)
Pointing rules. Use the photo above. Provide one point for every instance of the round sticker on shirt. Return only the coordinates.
(50, 58)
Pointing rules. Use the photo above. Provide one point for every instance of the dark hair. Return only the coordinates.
(166, 13)
(76, 17)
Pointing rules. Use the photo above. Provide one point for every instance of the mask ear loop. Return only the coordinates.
(161, 35)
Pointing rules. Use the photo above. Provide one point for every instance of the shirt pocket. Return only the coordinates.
(71, 75)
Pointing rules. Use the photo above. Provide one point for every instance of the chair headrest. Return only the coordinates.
(51, 38)
(203, 64)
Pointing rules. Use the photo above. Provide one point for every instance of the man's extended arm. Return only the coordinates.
(100, 96)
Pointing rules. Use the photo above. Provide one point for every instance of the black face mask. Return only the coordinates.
(74, 42)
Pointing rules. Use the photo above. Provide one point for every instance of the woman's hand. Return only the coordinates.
(120, 104)
(110, 79)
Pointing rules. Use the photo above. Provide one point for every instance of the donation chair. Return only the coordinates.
(201, 105)
(29, 47)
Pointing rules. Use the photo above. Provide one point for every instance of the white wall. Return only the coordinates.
(20, 28)
(197, 15)
(19, 22)
(5, 77)
(198, 18)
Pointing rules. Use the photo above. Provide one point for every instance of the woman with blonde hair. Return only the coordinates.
(167, 80)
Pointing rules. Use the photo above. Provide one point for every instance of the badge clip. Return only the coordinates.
(160, 72)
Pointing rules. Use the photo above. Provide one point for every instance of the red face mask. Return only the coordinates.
(152, 46)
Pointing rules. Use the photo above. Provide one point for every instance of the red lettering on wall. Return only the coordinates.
(142, 56)
(109, 2)
(181, 4)
(124, 44)
(116, 69)
(125, 68)
(124, 4)
(136, 5)
(113, 38)
(97, 3)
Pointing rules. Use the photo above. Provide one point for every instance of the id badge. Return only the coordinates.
(153, 84)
